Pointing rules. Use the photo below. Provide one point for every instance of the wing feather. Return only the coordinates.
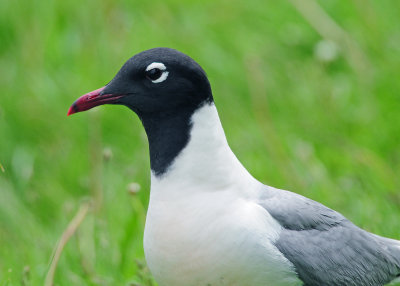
(325, 247)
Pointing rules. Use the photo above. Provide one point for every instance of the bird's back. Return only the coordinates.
(325, 247)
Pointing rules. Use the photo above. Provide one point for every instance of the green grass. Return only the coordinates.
(305, 105)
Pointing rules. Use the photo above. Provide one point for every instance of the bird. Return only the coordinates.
(209, 221)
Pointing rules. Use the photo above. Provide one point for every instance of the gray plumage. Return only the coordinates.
(326, 248)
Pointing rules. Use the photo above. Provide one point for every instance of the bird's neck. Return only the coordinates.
(191, 149)
(168, 133)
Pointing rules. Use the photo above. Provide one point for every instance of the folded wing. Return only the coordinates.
(325, 247)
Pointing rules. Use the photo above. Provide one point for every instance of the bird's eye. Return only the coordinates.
(153, 74)
(156, 72)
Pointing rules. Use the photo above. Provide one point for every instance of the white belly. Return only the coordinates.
(214, 239)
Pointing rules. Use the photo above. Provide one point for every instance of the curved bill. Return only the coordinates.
(92, 99)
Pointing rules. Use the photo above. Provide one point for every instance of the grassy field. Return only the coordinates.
(308, 93)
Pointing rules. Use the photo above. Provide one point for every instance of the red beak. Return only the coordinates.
(92, 99)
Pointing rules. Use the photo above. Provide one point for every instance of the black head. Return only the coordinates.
(159, 80)
(164, 87)
(153, 81)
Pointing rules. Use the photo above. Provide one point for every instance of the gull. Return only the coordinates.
(211, 223)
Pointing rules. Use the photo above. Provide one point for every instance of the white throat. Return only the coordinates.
(206, 162)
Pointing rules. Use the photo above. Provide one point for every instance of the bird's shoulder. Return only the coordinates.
(296, 212)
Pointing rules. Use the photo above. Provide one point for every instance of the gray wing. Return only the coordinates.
(325, 247)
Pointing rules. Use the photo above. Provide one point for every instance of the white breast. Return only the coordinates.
(203, 226)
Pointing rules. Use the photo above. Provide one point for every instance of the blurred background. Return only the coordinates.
(307, 91)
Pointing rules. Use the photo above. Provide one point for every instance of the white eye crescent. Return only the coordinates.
(156, 72)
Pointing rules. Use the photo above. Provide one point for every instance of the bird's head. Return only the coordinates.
(154, 81)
